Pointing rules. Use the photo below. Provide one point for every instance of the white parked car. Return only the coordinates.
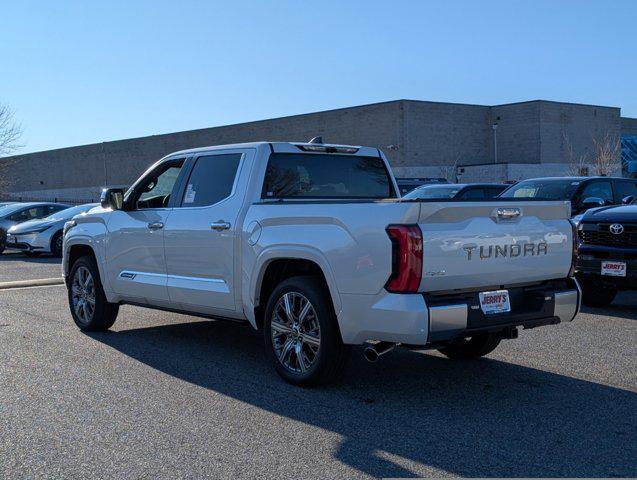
(15, 213)
(43, 235)
(310, 243)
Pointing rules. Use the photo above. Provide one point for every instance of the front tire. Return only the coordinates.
(474, 347)
(301, 333)
(89, 307)
(597, 295)
(57, 244)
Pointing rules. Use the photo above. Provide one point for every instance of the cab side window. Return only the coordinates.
(51, 209)
(28, 214)
(600, 189)
(625, 189)
(211, 179)
(156, 188)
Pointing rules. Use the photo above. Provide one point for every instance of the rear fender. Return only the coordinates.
(279, 252)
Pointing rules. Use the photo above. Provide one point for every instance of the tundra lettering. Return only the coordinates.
(529, 249)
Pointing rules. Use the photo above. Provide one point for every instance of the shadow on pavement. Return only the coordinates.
(45, 258)
(481, 418)
(624, 306)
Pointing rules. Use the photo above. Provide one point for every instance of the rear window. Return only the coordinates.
(326, 176)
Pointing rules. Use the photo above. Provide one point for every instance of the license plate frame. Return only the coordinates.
(495, 301)
(613, 269)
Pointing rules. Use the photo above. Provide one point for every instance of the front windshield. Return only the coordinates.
(562, 189)
(431, 191)
(69, 213)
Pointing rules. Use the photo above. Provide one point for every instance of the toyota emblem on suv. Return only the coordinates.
(616, 229)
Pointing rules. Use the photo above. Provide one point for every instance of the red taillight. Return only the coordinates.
(406, 258)
(575, 249)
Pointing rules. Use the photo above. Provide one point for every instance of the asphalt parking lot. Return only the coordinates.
(169, 396)
(14, 266)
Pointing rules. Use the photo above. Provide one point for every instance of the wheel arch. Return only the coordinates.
(273, 266)
(76, 247)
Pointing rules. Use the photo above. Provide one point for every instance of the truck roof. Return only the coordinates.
(283, 147)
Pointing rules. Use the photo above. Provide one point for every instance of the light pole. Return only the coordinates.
(495, 142)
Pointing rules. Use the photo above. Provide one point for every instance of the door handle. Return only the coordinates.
(220, 225)
(155, 226)
(508, 213)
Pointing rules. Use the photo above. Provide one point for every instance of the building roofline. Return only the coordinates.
(298, 115)
(230, 125)
(539, 100)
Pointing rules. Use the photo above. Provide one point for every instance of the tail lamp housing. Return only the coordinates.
(406, 258)
(574, 227)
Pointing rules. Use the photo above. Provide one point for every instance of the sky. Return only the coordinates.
(78, 72)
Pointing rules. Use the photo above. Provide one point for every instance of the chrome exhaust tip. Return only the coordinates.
(373, 352)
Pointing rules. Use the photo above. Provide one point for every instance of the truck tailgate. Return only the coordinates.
(468, 245)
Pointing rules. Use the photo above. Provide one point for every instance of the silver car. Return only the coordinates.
(16, 213)
(43, 235)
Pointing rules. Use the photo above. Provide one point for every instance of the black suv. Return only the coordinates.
(583, 192)
(607, 260)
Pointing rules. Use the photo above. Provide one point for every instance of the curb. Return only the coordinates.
(31, 283)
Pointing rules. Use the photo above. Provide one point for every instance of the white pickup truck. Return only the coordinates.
(311, 243)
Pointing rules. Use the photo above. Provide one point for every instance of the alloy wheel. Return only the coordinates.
(296, 332)
(83, 294)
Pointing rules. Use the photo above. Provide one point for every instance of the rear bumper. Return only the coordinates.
(418, 319)
(531, 306)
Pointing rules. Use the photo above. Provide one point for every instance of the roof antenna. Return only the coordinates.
(318, 139)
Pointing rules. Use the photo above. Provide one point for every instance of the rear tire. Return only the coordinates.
(89, 307)
(301, 333)
(56, 244)
(3, 240)
(474, 347)
(597, 295)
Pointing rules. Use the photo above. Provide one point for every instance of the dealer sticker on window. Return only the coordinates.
(614, 269)
(495, 302)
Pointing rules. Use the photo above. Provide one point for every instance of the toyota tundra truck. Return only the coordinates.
(312, 244)
(607, 260)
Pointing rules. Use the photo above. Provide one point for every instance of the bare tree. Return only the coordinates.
(576, 163)
(450, 172)
(10, 132)
(607, 155)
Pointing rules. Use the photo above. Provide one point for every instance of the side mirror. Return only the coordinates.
(592, 202)
(112, 198)
(628, 200)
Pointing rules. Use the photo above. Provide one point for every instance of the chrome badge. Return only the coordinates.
(616, 229)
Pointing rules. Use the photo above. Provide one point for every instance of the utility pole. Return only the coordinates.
(495, 142)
